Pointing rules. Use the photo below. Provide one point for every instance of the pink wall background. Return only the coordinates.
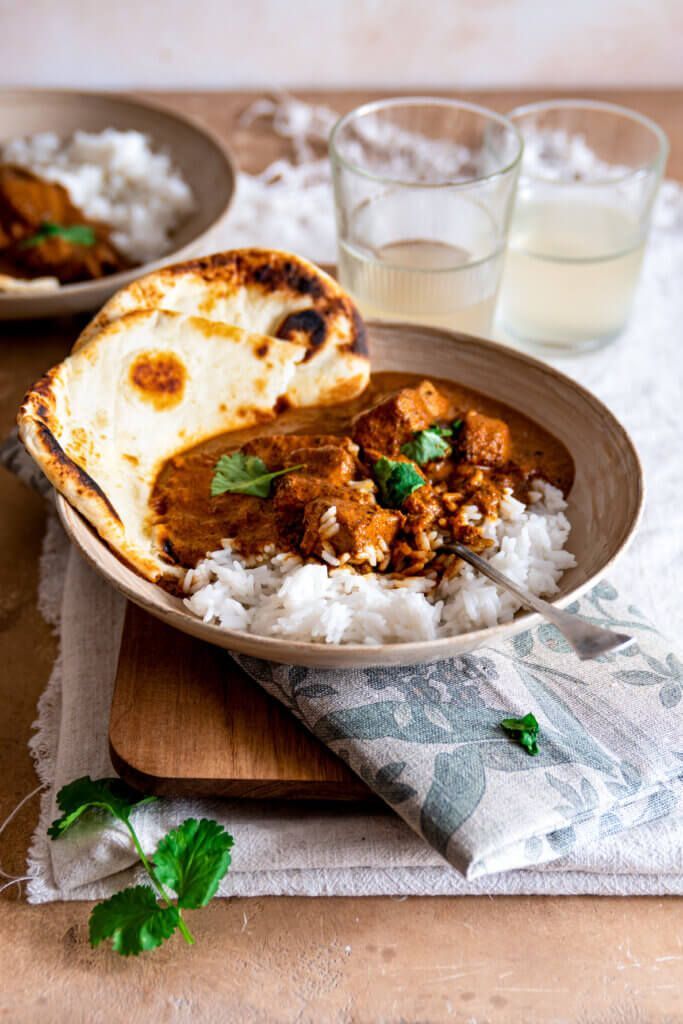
(327, 43)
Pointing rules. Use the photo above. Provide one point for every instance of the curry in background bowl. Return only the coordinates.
(64, 246)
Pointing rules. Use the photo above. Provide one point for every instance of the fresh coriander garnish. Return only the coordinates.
(447, 431)
(396, 481)
(524, 730)
(427, 445)
(244, 474)
(110, 795)
(441, 431)
(191, 860)
(77, 234)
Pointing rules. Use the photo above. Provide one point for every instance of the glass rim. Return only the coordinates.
(414, 101)
(656, 164)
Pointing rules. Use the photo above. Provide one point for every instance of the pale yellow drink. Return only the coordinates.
(423, 281)
(570, 271)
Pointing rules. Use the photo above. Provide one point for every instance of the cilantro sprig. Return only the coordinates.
(524, 730)
(190, 860)
(396, 481)
(244, 474)
(428, 445)
(77, 234)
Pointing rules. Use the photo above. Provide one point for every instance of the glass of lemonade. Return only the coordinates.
(424, 190)
(589, 178)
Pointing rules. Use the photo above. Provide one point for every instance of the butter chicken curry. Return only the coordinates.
(376, 484)
(42, 233)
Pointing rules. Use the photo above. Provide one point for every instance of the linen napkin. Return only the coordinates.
(428, 740)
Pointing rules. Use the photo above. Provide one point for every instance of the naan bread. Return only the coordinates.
(270, 292)
(143, 387)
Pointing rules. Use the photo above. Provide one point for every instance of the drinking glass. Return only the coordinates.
(589, 178)
(423, 193)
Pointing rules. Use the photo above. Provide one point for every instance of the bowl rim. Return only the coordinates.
(124, 277)
(306, 652)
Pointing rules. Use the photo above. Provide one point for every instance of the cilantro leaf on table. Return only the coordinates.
(133, 920)
(85, 794)
(244, 474)
(192, 860)
(524, 730)
(427, 445)
(396, 481)
(77, 234)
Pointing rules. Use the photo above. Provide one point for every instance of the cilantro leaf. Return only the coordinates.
(133, 920)
(244, 474)
(524, 730)
(396, 481)
(77, 234)
(427, 445)
(192, 859)
(84, 794)
(447, 431)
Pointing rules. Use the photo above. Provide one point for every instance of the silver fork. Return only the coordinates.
(588, 641)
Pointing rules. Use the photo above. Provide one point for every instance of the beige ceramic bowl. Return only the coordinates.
(604, 503)
(204, 162)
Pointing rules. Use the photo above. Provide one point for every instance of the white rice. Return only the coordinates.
(115, 177)
(309, 601)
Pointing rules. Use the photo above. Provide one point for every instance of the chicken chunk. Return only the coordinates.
(293, 492)
(276, 450)
(422, 508)
(27, 203)
(362, 531)
(394, 421)
(483, 440)
(327, 462)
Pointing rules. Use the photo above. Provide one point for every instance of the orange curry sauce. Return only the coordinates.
(495, 449)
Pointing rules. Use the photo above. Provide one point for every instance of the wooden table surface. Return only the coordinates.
(285, 959)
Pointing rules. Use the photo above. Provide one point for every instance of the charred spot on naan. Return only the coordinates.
(158, 378)
(273, 271)
(307, 327)
(63, 467)
(168, 552)
(313, 327)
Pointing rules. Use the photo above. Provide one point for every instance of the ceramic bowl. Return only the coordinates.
(203, 160)
(604, 503)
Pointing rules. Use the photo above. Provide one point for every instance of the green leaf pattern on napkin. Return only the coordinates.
(427, 738)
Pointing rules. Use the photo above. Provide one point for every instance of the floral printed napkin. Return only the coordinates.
(428, 739)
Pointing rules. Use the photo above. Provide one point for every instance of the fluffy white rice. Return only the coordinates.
(287, 598)
(116, 177)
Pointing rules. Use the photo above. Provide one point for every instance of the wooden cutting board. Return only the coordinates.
(185, 720)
